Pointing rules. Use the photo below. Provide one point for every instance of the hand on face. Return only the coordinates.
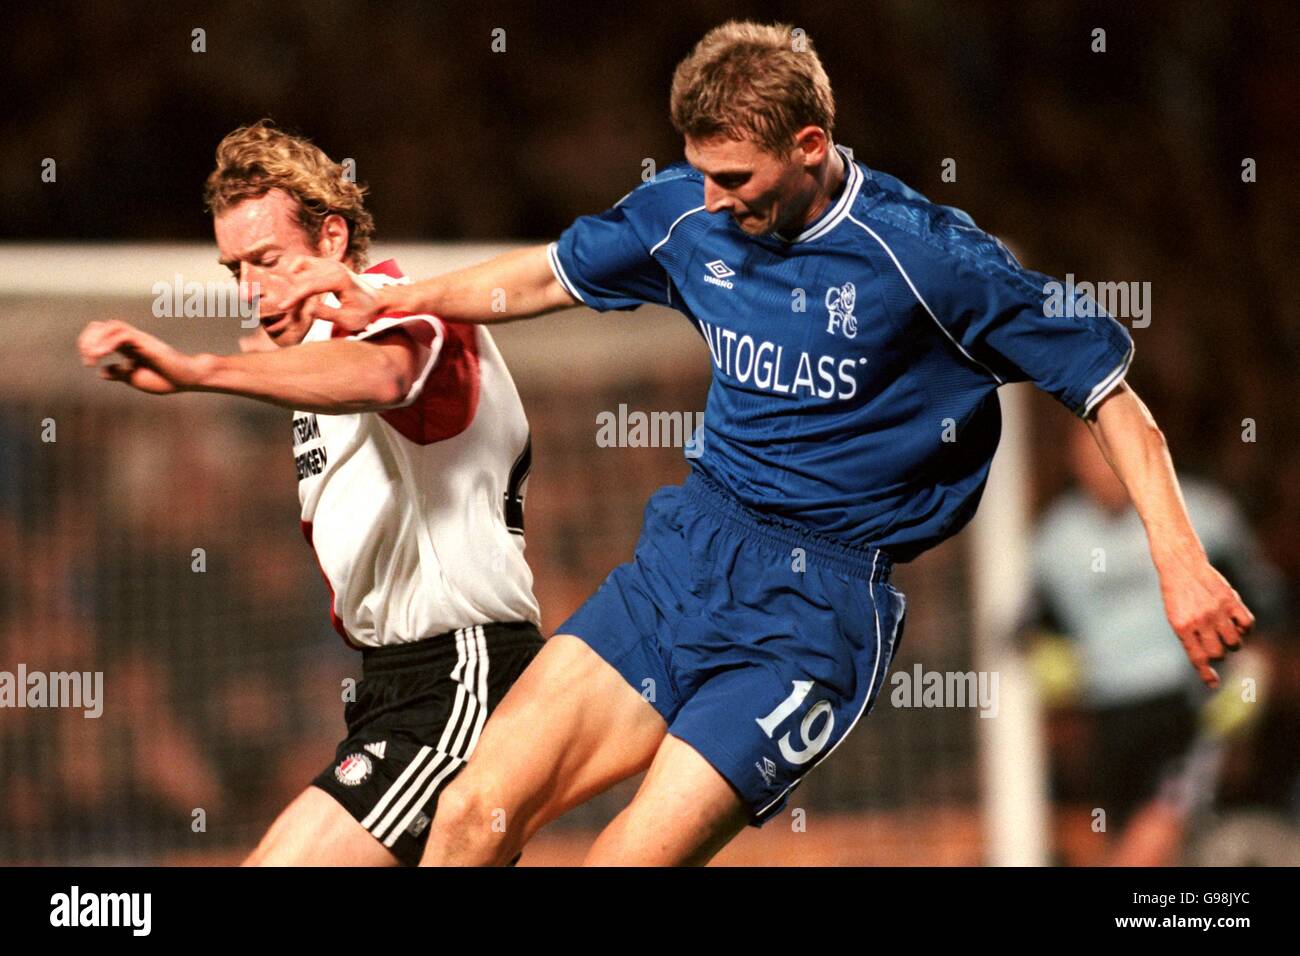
(286, 271)
(309, 279)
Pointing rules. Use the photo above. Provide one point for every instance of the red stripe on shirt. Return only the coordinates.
(446, 405)
(334, 618)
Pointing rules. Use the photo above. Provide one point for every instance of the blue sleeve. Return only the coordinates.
(605, 260)
(1012, 321)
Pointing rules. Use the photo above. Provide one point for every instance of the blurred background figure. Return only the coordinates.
(1137, 743)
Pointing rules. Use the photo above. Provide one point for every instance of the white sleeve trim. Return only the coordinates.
(1107, 384)
(553, 257)
(385, 324)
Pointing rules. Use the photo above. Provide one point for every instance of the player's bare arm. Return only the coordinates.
(334, 377)
(1203, 609)
(514, 285)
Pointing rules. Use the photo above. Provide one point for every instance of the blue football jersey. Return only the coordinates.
(855, 367)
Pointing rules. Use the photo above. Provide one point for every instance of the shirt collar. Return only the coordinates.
(840, 204)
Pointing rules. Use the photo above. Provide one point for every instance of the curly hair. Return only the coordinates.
(749, 80)
(255, 159)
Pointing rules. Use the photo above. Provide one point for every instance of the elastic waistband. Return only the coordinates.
(863, 562)
(444, 648)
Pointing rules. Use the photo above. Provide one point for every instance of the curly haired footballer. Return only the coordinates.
(253, 160)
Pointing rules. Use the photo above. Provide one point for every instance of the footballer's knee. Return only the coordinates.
(472, 826)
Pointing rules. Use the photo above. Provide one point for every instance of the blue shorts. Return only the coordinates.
(759, 644)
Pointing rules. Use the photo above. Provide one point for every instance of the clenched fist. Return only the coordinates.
(146, 363)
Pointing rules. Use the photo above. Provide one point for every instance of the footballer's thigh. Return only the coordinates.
(684, 813)
(571, 727)
(416, 716)
(315, 830)
(591, 709)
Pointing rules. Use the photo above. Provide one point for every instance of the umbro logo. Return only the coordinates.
(768, 769)
(719, 274)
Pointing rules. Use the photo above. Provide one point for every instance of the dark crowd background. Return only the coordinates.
(1121, 166)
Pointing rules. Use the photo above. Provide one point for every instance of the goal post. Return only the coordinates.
(1012, 746)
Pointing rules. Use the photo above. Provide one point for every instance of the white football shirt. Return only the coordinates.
(416, 512)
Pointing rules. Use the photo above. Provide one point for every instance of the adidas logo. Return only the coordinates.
(719, 274)
(377, 748)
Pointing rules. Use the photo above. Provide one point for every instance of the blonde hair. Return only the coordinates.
(255, 159)
(749, 80)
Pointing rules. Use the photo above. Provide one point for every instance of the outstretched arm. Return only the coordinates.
(514, 285)
(339, 376)
(1203, 609)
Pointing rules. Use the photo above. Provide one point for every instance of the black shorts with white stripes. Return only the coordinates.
(418, 713)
